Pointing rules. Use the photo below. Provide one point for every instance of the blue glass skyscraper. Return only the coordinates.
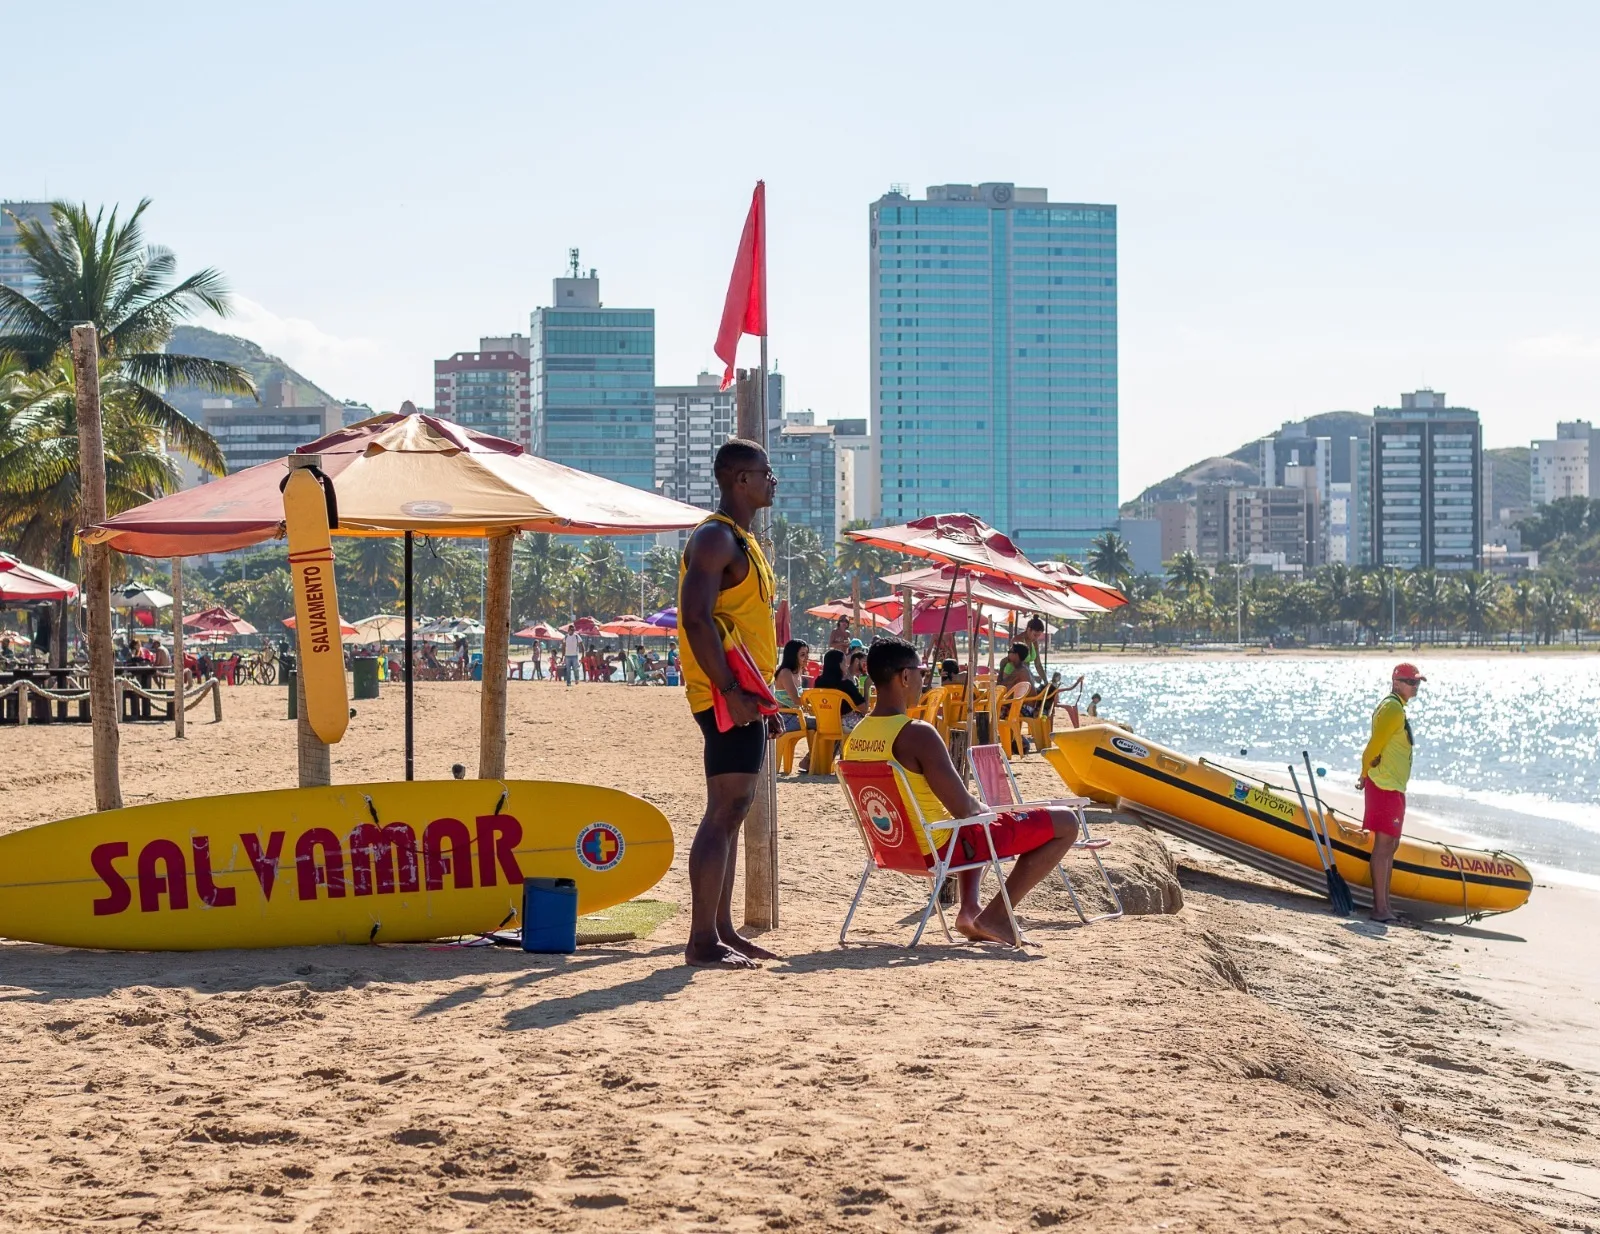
(994, 345)
(594, 383)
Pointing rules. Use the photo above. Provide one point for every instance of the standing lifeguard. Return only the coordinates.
(1385, 772)
(725, 594)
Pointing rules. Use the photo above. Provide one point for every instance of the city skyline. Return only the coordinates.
(1314, 209)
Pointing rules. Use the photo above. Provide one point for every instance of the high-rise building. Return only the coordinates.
(594, 382)
(803, 460)
(1361, 501)
(994, 340)
(15, 272)
(1568, 466)
(1337, 519)
(692, 422)
(1178, 528)
(1427, 484)
(250, 433)
(489, 389)
(857, 452)
(1267, 525)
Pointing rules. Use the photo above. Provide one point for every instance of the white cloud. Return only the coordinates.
(1558, 347)
(344, 367)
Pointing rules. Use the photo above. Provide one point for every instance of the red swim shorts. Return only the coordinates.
(1015, 832)
(1385, 812)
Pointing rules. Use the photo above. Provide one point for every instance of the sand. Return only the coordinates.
(1246, 1062)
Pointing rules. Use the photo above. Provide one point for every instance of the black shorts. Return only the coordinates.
(736, 752)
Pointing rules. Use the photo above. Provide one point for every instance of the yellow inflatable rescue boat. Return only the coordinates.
(1265, 827)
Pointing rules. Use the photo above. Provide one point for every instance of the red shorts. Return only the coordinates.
(1385, 812)
(1015, 832)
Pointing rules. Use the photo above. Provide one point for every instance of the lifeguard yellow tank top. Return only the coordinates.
(746, 607)
(873, 742)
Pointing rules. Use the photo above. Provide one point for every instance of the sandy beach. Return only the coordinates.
(1248, 1061)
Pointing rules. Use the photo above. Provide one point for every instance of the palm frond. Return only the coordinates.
(163, 369)
(181, 433)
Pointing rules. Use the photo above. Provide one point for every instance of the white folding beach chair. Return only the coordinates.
(886, 812)
(998, 790)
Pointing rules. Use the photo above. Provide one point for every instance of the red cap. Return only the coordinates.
(1407, 670)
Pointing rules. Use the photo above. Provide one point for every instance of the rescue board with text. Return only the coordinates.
(347, 863)
(308, 520)
(1253, 822)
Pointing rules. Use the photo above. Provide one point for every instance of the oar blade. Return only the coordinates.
(1339, 894)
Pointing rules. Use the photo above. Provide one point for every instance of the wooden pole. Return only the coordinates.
(103, 709)
(316, 763)
(177, 647)
(496, 651)
(410, 638)
(761, 826)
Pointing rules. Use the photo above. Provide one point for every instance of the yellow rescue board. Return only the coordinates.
(316, 606)
(350, 863)
(1249, 821)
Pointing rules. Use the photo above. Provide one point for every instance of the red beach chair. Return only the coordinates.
(998, 790)
(886, 811)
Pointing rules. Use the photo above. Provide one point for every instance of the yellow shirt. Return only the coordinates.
(1387, 759)
(873, 742)
(745, 609)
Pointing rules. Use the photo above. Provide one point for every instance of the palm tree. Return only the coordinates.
(541, 576)
(1522, 605)
(39, 490)
(100, 270)
(374, 567)
(1187, 575)
(1479, 597)
(1111, 560)
(859, 561)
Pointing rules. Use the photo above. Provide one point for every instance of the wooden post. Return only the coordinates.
(104, 712)
(177, 647)
(761, 826)
(496, 650)
(316, 764)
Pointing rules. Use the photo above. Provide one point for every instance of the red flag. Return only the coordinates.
(745, 311)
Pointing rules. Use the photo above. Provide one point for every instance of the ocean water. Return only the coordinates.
(1508, 748)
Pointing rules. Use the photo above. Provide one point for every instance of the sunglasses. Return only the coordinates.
(1409, 681)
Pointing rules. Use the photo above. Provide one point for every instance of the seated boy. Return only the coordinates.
(1040, 834)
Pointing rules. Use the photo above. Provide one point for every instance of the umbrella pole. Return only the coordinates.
(944, 617)
(972, 671)
(496, 652)
(177, 647)
(410, 634)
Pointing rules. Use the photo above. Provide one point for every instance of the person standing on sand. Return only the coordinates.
(839, 637)
(1385, 771)
(572, 645)
(1038, 836)
(724, 581)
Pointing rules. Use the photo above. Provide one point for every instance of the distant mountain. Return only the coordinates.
(1243, 466)
(1510, 480)
(299, 391)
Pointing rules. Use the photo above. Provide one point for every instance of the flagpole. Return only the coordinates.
(761, 826)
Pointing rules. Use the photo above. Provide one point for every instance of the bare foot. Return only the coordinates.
(716, 955)
(746, 948)
(979, 931)
(1386, 919)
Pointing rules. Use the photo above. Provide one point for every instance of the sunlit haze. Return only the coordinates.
(1317, 210)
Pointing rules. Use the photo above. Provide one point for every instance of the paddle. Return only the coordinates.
(1316, 843)
(1338, 889)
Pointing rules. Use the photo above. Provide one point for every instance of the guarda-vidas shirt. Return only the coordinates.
(1387, 759)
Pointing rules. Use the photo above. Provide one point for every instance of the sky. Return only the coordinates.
(1319, 206)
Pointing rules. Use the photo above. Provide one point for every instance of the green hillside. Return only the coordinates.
(299, 390)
